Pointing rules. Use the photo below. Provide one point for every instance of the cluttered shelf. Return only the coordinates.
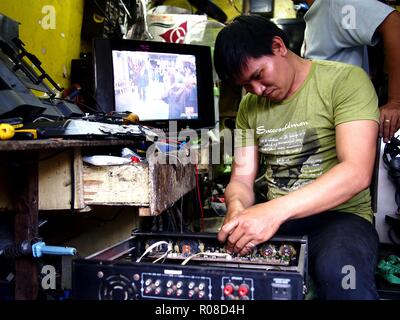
(59, 143)
(67, 182)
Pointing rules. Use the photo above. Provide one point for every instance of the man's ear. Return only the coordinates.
(278, 46)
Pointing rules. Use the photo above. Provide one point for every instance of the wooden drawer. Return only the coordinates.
(64, 178)
(116, 185)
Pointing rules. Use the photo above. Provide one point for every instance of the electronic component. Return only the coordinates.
(268, 250)
(192, 267)
(287, 252)
(188, 247)
(196, 251)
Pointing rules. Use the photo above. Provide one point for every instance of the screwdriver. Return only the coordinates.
(7, 132)
(23, 136)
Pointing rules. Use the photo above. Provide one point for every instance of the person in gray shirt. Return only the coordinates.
(340, 30)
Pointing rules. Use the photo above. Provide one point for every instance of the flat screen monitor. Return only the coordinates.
(158, 81)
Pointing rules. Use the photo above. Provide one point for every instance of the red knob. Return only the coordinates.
(243, 290)
(228, 289)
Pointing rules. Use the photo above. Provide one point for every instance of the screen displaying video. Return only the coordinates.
(155, 85)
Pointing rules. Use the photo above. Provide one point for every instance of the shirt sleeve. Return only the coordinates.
(354, 98)
(244, 133)
(358, 20)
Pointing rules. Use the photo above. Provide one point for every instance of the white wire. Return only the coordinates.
(43, 118)
(174, 156)
(155, 244)
(163, 256)
(190, 257)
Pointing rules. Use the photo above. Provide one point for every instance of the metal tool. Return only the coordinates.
(7, 131)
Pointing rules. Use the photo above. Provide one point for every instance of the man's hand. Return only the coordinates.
(389, 120)
(253, 226)
(388, 30)
(235, 208)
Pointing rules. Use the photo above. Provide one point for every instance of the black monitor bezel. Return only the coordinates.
(104, 79)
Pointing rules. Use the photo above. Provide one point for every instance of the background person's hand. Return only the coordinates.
(389, 120)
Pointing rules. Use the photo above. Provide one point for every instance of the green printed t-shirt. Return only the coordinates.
(297, 135)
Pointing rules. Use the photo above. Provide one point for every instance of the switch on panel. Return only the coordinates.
(262, 7)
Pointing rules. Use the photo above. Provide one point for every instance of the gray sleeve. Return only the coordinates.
(357, 20)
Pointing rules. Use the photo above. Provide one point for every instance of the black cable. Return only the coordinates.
(83, 104)
(154, 227)
(177, 219)
(197, 209)
(95, 101)
(159, 221)
(210, 9)
(181, 215)
(173, 220)
(167, 221)
(183, 224)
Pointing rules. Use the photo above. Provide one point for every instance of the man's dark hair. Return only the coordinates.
(248, 36)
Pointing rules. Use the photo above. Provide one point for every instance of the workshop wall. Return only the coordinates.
(51, 30)
(284, 9)
(230, 7)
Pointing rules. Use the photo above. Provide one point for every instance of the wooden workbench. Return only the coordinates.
(29, 176)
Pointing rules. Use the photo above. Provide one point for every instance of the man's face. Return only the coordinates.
(269, 76)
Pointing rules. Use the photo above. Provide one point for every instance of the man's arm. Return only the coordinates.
(389, 30)
(356, 145)
(239, 193)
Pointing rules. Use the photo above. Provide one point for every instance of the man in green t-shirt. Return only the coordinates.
(316, 123)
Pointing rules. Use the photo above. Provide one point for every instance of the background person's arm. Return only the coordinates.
(389, 30)
(355, 145)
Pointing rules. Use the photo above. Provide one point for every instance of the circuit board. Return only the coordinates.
(201, 251)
